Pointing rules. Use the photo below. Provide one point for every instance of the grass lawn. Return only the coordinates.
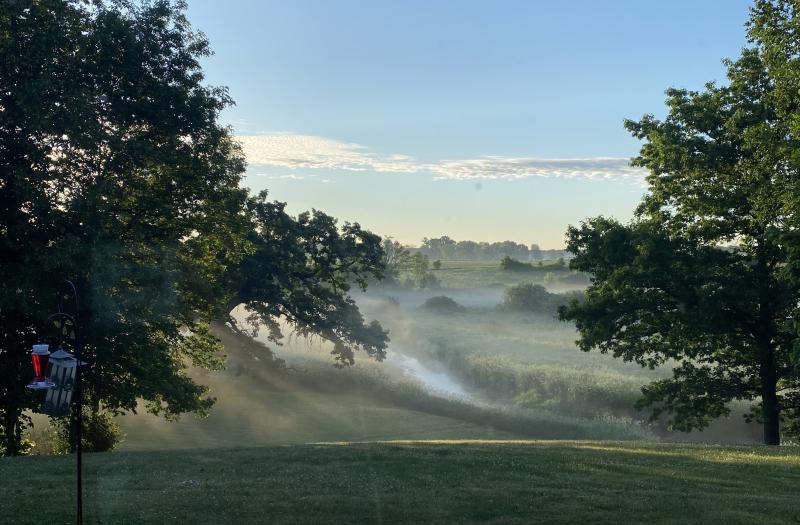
(414, 482)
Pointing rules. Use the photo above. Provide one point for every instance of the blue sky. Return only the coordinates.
(478, 120)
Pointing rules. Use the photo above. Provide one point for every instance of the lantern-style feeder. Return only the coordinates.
(63, 367)
(40, 356)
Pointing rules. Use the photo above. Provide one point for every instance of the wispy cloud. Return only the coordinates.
(523, 167)
(292, 176)
(293, 151)
(308, 151)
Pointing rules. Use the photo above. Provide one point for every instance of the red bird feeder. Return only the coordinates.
(40, 355)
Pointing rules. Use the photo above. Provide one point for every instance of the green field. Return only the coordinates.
(423, 482)
(479, 274)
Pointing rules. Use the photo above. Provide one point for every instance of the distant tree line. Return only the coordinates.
(446, 249)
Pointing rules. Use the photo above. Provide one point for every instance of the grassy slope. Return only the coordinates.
(295, 417)
(478, 274)
(257, 406)
(530, 482)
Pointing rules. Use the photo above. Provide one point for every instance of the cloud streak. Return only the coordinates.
(293, 151)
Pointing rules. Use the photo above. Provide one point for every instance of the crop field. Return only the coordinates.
(414, 482)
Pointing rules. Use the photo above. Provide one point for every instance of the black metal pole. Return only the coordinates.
(79, 430)
(78, 392)
(79, 408)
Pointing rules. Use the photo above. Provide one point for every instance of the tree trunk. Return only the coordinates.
(12, 437)
(765, 333)
(770, 408)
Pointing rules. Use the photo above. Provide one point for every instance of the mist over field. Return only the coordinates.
(459, 365)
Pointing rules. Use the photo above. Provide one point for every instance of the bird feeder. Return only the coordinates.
(40, 356)
(63, 367)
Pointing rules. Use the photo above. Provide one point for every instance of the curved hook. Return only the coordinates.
(61, 296)
(67, 288)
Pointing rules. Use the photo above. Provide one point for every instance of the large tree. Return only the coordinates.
(706, 278)
(117, 175)
(299, 271)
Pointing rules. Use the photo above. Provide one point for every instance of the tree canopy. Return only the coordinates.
(705, 277)
(117, 175)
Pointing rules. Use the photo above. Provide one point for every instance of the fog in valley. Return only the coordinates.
(461, 363)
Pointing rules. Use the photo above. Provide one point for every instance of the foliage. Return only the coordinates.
(513, 265)
(527, 297)
(112, 158)
(395, 259)
(310, 401)
(706, 276)
(100, 433)
(417, 267)
(118, 176)
(534, 298)
(525, 421)
(300, 270)
(442, 304)
(507, 264)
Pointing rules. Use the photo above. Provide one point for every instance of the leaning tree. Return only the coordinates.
(706, 277)
(117, 175)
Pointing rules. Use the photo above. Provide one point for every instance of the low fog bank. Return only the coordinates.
(458, 366)
(508, 361)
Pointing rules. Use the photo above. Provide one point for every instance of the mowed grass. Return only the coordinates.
(414, 482)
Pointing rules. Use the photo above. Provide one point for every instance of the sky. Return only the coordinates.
(488, 121)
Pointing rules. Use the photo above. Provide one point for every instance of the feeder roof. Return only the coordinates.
(61, 354)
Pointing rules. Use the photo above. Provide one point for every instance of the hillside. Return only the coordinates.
(422, 482)
(260, 404)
